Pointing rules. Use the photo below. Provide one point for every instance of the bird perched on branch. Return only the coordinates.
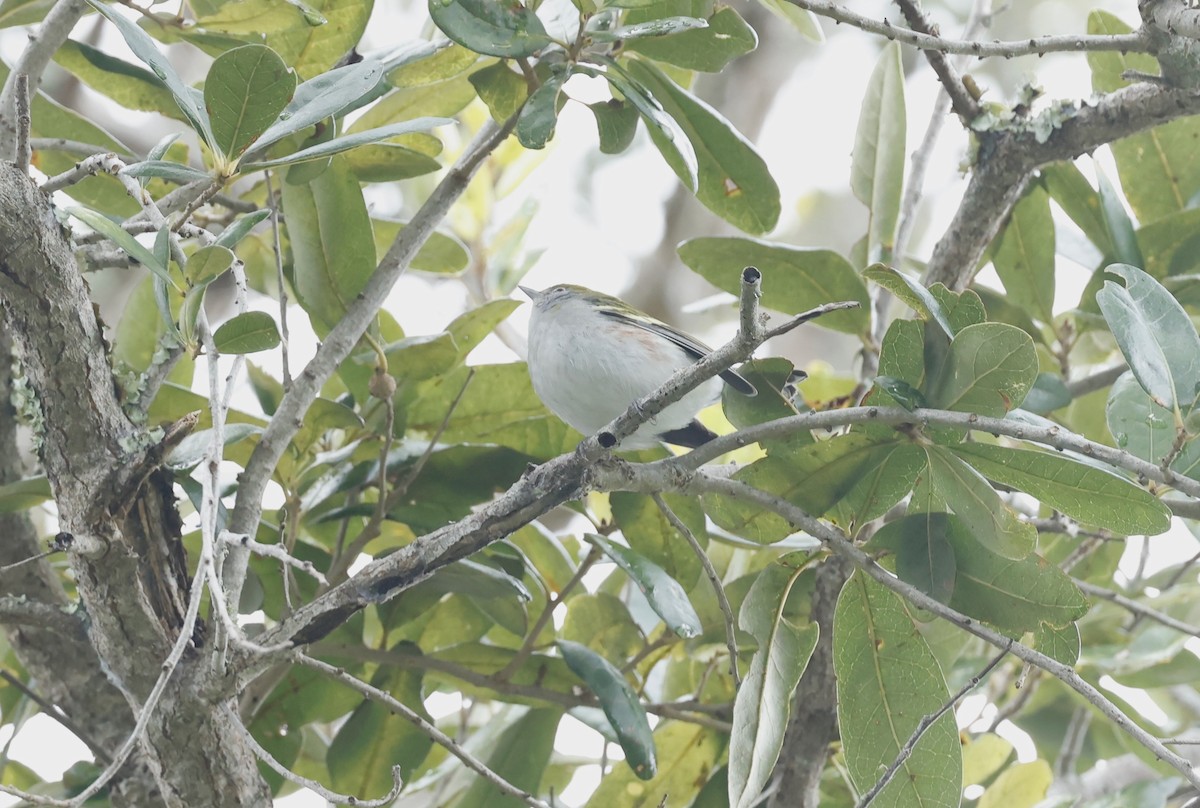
(592, 355)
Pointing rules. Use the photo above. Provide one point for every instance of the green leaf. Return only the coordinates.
(129, 85)
(619, 703)
(602, 622)
(763, 703)
(651, 535)
(794, 280)
(535, 124)
(332, 245)
(22, 495)
(143, 47)
(433, 68)
(877, 171)
(497, 29)
(895, 471)
(801, 19)
(374, 739)
(246, 90)
(733, 180)
(616, 122)
(240, 228)
(1012, 595)
(656, 27)
(1157, 167)
(1075, 195)
(880, 656)
(207, 264)
(709, 49)
(389, 162)
(666, 133)
(318, 98)
(687, 754)
(167, 170)
(1086, 493)
(1155, 335)
(1146, 430)
(770, 377)
(501, 89)
(246, 333)
(192, 448)
(983, 756)
(520, 755)
(988, 519)
(1020, 785)
(924, 556)
(668, 599)
(338, 145)
(916, 296)
(989, 370)
(1120, 229)
(113, 231)
(1048, 394)
(1024, 255)
(1059, 643)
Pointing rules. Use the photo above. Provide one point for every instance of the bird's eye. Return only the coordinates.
(558, 290)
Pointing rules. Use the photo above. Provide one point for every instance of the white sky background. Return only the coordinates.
(598, 240)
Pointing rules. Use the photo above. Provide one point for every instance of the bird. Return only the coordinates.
(591, 355)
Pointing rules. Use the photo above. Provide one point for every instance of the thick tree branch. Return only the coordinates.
(1008, 158)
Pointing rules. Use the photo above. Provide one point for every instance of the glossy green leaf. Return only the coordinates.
(763, 703)
(877, 170)
(1083, 492)
(773, 378)
(22, 495)
(338, 145)
(389, 162)
(1155, 334)
(520, 755)
(988, 519)
(188, 99)
(111, 230)
(707, 48)
(1120, 228)
(616, 122)
(206, 264)
(332, 246)
(246, 333)
(794, 280)
(602, 622)
(535, 124)
(652, 28)
(687, 755)
(246, 90)
(880, 656)
(1013, 595)
(924, 556)
(619, 703)
(1024, 255)
(668, 599)
(374, 739)
(434, 67)
(916, 296)
(497, 29)
(989, 370)
(651, 535)
(503, 90)
(733, 180)
(897, 469)
(318, 98)
(1157, 167)
(1075, 195)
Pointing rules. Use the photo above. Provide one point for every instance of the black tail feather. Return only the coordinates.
(692, 436)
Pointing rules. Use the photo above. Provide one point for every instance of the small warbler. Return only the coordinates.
(591, 356)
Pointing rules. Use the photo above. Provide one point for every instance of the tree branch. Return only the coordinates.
(1126, 43)
(21, 611)
(1138, 608)
(964, 104)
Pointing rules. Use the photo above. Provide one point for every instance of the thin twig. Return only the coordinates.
(713, 578)
(273, 204)
(76, 147)
(965, 105)
(332, 796)
(107, 163)
(24, 122)
(1126, 43)
(274, 551)
(923, 726)
(1096, 381)
(375, 694)
(58, 715)
(1137, 608)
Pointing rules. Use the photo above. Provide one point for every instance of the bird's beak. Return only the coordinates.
(530, 293)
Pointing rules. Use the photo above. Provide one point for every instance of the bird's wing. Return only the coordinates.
(690, 344)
